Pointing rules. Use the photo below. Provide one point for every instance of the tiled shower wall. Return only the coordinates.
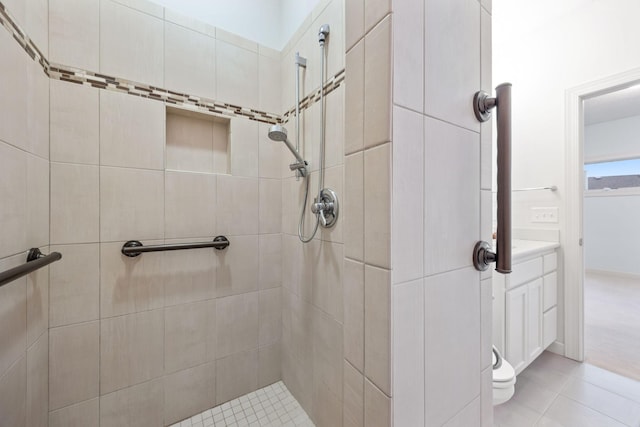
(24, 221)
(312, 273)
(155, 339)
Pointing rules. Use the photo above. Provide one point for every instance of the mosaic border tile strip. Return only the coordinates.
(272, 406)
(191, 102)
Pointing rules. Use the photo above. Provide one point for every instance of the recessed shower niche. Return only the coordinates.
(197, 142)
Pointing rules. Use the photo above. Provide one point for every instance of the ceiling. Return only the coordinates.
(612, 106)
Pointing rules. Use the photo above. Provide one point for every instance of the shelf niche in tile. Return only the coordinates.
(197, 142)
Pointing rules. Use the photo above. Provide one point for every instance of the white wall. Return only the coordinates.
(268, 22)
(612, 233)
(545, 50)
(612, 140)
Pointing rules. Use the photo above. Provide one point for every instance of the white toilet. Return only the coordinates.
(504, 379)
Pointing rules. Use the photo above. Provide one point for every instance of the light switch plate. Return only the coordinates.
(544, 215)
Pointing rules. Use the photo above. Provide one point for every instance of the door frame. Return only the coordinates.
(574, 226)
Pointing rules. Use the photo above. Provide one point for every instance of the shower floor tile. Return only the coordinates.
(272, 406)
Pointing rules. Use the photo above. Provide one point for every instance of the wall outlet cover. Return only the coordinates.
(544, 215)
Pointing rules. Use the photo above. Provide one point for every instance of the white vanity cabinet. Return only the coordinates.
(525, 303)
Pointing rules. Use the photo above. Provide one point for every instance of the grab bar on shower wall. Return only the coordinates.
(35, 261)
(482, 105)
(133, 248)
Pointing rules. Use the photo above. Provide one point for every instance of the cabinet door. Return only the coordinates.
(516, 327)
(534, 314)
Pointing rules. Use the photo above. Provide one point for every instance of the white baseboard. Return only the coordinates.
(557, 348)
(613, 273)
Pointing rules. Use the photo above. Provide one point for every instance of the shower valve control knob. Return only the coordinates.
(327, 207)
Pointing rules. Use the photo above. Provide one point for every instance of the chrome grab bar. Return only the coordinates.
(133, 248)
(482, 253)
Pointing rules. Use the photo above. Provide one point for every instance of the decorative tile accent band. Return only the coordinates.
(102, 81)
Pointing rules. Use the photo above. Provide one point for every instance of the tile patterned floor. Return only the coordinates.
(272, 406)
(558, 392)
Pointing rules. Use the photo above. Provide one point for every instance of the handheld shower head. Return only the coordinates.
(279, 133)
(323, 32)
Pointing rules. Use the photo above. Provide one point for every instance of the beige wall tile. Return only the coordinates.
(236, 40)
(334, 128)
(468, 416)
(327, 279)
(377, 84)
(269, 85)
(131, 349)
(189, 392)
(354, 22)
(270, 206)
(452, 321)
(145, 6)
(189, 275)
(408, 204)
(131, 204)
(291, 259)
(452, 60)
(13, 389)
(189, 22)
(460, 222)
(190, 61)
(270, 320)
(237, 324)
(408, 353)
(377, 406)
(236, 375)
(353, 403)
(85, 414)
(271, 154)
(221, 138)
(236, 74)
(37, 109)
(38, 382)
(189, 335)
(377, 324)
(13, 85)
(270, 261)
(377, 205)
(327, 407)
(37, 303)
(244, 147)
(75, 122)
(132, 131)
(190, 204)
(74, 203)
(354, 313)
(129, 285)
(13, 309)
(140, 405)
(75, 285)
(269, 364)
(13, 213)
(237, 210)
(327, 354)
(74, 355)
(37, 23)
(38, 188)
(374, 11)
(354, 206)
(74, 33)
(486, 324)
(238, 268)
(141, 61)
(408, 55)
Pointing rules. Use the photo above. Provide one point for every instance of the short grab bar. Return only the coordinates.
(482, 105)
(35, 261)
(133, 248)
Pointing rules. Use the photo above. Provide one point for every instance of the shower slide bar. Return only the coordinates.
(551, 188)
(35, 261)
(133, 248)
(483, 256)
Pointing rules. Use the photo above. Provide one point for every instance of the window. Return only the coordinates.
(613, 175)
